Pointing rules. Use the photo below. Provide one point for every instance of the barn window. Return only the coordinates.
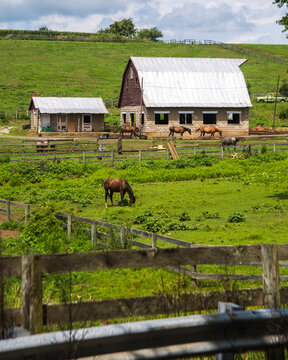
(142, 118)
(124, 118)
(161, 117)
(185, 117)
(132, 118)
(233, 117)
(209, 117)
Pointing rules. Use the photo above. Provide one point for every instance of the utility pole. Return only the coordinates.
(141, 101)
(276, 102)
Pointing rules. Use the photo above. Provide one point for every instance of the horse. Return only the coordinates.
(43, 145)
(209, 130)
(178, 130)
(229, 140)
(132, 129)
(112, 185)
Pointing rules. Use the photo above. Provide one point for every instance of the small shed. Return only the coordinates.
(67, 114)
(159, 92)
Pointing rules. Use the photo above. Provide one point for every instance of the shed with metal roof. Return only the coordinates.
(67, 114)
(159, 92)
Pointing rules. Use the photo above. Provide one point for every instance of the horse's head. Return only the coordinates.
(189, 131)
(237, 139)
(137, 129)
(197, 129)
(132, 200)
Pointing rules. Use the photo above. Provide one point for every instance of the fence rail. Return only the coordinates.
(198, 335)
(31, 267)
(99, 152)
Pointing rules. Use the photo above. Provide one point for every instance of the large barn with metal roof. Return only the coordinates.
(67, 114)
(157, 93)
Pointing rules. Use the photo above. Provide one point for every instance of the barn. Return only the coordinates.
(67, 114)
(159, 92)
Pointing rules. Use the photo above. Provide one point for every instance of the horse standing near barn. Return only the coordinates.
(112, 185)
(209, 130)
(178, 130)
(132, 129)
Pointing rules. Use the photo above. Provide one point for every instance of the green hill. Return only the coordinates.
(71, 68)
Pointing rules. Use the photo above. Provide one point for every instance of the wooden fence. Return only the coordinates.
(101, 153)
(156, 241)
(34, 314)
(15, 214)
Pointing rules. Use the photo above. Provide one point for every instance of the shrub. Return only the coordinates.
(236, 217)
(184, 216)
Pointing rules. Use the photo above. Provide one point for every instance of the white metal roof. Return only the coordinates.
(69, 105)
(192, 82)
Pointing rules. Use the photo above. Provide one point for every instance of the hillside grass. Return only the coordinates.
(64, 68)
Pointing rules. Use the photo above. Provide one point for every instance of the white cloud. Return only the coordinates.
(220, 20)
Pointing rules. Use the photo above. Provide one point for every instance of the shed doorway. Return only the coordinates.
(86, 123)
(62, 123)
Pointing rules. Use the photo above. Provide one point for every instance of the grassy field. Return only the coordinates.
(51, 68)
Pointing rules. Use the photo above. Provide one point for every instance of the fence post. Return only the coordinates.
(27, 213)
(271, 288)
(168, 154)
(32, 293)
(274, 148)
(112, 157)
(122, 236)
(93, 233)
(8, 211)
(54, 158)
(195, 150)
(84, 158)
(154, 241)
(140, 155)
(222, 152)
(69, 226)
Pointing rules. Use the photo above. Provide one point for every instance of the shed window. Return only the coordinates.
(124, 118)
(209, 118)
(142, 118)
(233, 117)
(161, 118)
(185, 118)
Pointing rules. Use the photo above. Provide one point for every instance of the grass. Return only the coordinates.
(45, 68)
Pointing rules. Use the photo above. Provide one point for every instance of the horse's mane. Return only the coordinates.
(129, 189)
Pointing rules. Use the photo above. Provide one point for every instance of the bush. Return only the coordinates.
(236, 217)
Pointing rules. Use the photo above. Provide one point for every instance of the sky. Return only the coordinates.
(231, 21)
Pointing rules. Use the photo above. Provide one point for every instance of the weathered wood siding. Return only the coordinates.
(151, 129)
(131, 87)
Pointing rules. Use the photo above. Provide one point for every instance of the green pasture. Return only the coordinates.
(203, 200)
(71, 68)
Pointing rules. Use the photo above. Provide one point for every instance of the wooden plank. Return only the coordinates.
(89, 261)
(150, 305)
(11, 266)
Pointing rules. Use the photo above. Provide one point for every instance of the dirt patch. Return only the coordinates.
(7, 233)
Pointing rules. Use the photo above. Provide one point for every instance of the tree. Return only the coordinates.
(149, 34)
(125, 27)
(284, 20)
(284, 88)
(43, 28)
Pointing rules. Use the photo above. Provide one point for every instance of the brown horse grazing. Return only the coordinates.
(178, 130)
(132, 129)
(209, 130)
(112, 185)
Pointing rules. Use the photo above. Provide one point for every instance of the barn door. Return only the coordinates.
(86, 123)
